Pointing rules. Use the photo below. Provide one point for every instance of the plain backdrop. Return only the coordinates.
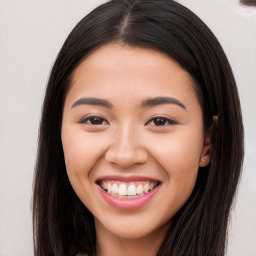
(31, 34)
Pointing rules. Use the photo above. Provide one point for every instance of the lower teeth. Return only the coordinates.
(126, 197)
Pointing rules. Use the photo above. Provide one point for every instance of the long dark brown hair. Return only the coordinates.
(62, 224)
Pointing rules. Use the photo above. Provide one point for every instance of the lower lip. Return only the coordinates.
(128, 204)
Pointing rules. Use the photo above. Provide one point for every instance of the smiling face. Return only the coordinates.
(133, 139)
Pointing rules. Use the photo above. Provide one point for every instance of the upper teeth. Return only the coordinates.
(130, 189)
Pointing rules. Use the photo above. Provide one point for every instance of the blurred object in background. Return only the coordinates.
(248, 2)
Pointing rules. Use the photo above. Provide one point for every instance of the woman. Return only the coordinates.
(141, 137)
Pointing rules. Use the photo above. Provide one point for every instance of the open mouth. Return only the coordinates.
(127, 190)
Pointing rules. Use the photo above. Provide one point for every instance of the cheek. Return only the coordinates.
(179, 153)
(81, 152)
(178, 156)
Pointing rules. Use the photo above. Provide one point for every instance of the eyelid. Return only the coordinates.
(85, 119)
(170, 121)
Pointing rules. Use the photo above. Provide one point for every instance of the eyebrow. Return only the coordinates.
(145, 103)
(161, 100)
(93, 101)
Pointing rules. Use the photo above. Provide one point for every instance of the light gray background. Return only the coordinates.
(31, 34)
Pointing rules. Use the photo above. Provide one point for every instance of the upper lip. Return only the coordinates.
(126, 178)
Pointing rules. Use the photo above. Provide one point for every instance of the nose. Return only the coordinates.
(126, 149)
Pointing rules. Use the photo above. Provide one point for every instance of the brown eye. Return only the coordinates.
(161, 121)
(94, 120)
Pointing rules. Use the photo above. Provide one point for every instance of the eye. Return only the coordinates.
(161, 121)
(94, 120)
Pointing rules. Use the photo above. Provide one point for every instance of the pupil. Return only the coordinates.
(96, 120)
(159, 121)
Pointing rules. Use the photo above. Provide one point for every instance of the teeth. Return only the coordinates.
(109, 188)
(133, 190)
(146, 188)
(139, 190)
(122, 191)
(115, 189)
(103, 185)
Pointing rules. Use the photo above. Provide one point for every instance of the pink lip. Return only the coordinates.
(128, 204)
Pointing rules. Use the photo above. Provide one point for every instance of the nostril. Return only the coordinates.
(125, 156)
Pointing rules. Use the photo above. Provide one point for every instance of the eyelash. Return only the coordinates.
(88, 120)
(164, 120)
(167, 121)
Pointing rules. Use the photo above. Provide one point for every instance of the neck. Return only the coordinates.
(108, 244)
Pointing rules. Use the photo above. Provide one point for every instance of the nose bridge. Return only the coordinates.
(127, 142)
(126, 148)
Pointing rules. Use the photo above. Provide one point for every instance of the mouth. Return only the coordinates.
(127, 190)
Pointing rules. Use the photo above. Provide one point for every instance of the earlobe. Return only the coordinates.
(206, 152)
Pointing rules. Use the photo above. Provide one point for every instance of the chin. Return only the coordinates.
(133, 228)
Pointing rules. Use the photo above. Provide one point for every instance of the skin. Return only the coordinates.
(127, 141)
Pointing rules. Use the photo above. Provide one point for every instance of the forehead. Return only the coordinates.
(130, 71)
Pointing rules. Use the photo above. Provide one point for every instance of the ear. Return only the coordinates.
(206, 151)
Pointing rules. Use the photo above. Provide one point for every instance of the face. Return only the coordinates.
(133, 138)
